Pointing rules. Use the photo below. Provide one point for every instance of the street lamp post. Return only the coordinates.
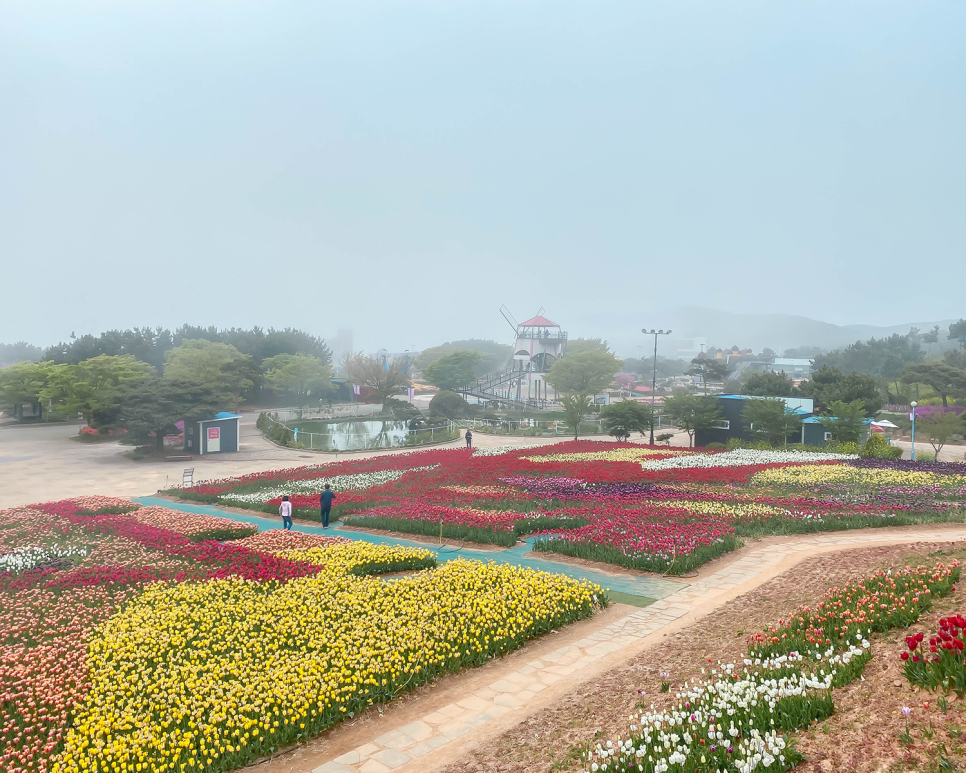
(912, 453)
(654, 333)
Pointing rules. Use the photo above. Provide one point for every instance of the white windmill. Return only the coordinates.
(538, 344)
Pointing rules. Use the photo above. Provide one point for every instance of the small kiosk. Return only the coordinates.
(219, 435)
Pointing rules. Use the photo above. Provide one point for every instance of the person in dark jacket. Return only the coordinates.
(325, 503)
(469, 439)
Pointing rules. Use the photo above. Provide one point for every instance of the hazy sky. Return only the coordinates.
(404, 168)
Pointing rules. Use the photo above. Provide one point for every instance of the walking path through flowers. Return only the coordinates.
(653, 587)
(445, 732)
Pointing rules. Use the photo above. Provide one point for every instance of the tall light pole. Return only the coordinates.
(654, 333)
(912, 453)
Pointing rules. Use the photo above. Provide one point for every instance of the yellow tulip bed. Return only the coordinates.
(363, 558)
(210, 676)
(615, 455)
(806, 475)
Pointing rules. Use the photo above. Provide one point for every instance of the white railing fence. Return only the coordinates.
(362, 440)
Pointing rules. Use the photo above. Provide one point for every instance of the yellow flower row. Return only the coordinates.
(209, 676)
(363, 558)
(811, 475)
(616, 455)
(731, 509)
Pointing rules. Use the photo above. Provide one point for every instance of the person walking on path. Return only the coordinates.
(285, 510)
(325, 503)
(469, 439)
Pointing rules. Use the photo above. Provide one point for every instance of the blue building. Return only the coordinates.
(219, 435)
(733, 426)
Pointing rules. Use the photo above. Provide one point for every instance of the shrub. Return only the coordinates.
(716, 445)
(280, 434)
(448, 404)
(877, 447)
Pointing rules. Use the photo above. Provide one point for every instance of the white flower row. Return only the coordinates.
(25, 559)
(497, 451)
(357, 482)
(715, 714)
(742, 457)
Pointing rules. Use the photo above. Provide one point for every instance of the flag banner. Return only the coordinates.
(356, 389)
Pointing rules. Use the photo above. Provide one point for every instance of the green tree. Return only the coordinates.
(709, 369)
(493, 355)
(23, 383)
(10, 354)
(454, 370)
(384, 376)
(939, 428)
(846, 421)
(769, 384)
(941, 376)
(803, 352)
(218, 365)
(579, 345)
(448, 404)
(827, 385)
(625, 417)
(575, 407)
(957, 332)
(931, 337)
(692, 412)
(92, 387)
(771, 418)
(882, 357)
(666, 368)
(299, 375)
(586, 373)
(149, 410)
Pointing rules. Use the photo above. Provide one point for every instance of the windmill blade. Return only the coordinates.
(510, 320)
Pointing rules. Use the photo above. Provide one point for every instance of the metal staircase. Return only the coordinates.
(500, 386)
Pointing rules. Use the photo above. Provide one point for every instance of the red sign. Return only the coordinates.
(214, 433)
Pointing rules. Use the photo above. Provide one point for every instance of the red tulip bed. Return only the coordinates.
(657, 509)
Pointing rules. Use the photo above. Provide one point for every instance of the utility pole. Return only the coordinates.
(654, 333)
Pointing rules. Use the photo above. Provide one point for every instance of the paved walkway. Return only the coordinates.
(39, 463)
(444, 732)
(649, 587)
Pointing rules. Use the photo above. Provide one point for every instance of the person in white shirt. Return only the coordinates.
(285, 510)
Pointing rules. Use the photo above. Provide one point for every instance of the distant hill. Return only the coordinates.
(726, 329)
(781, 331)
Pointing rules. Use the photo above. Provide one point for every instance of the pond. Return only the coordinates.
(359, 435)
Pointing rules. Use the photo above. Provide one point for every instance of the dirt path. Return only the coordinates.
(440, 725)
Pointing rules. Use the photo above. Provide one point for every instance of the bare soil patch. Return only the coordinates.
(549, 739)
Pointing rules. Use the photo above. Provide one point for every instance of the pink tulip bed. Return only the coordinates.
(658, 509)
(65, 568)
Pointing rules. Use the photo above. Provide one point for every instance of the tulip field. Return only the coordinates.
(743, 717)
(647, 508)
(147, 639)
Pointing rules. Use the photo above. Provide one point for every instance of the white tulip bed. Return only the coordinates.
(742, 457)
(25, 559)
(734, 722)
(357, 482)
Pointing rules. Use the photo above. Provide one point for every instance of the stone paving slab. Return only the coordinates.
(515, 691)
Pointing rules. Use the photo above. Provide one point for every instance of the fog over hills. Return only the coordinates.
(726, 329)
